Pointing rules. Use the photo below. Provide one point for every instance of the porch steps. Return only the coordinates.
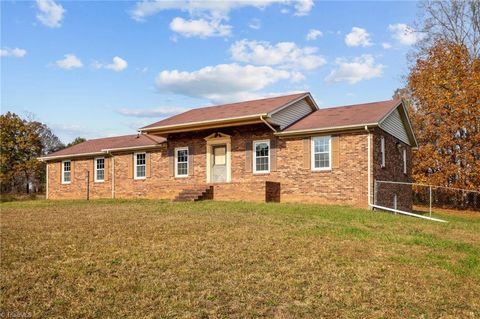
(195, 194)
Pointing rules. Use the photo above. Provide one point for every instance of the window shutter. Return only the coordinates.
(273, 155)
(60, 164)
(72, 171)
(148, 165)
(92, 170)
(171, 162)
(306, 152)
(335, 151)
(190, 161)
(248, 156)
(130, 164)
(106, 168)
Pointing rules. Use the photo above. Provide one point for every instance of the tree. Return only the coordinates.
(50, 142)
(456, 21)
(20, 147)
(445, 89)
(22, 142)
(76, 141)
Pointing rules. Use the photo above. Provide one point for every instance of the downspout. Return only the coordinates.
(268, 124)
(113, 174)
(368, 168)
(46, 183)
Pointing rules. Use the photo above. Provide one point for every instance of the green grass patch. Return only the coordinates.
(128, 258)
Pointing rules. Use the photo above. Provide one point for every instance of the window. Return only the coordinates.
(382, 151)
(140, 165)
(66, 172)
(181, 162)
(404, 161)
(99, 169)
(261, 153)
(321, 156)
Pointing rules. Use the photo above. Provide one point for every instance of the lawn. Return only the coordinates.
(211, 259)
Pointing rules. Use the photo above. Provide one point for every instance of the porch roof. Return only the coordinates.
(233, 112)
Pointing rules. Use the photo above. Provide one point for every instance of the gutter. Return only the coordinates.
(268, 124)
(47, 158)
(102, 152)
(327, 129)
(193, 124)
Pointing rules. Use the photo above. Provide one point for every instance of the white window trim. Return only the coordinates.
(176, 162)
(404, 161)
(63, 172)
(95, 178)
(135, 166)
(254, 150)
(312, 154)
(382, 151)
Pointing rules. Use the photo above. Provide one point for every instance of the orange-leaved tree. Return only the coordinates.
(444, 85)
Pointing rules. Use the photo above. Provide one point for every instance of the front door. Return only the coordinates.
(219, 164)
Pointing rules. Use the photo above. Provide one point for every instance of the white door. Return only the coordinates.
(219, 164)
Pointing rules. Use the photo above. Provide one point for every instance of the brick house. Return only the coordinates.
(277, 149)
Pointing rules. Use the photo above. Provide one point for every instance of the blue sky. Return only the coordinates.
(105, 68)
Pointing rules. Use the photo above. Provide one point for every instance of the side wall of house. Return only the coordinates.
(78, 188)
(393, 171)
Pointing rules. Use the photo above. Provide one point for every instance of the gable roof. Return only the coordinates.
(341, 116)
(233, 111)
(103, 145)
(350, 117)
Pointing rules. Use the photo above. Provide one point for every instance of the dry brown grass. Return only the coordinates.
(159, 259)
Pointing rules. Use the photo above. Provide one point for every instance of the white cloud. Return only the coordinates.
(200, 28)
(213, 9)
(303, 7)
(206, 17)
(220, 83)
(15, 52)
(69, 62)
(360, 68)
(313, 34)
(284, 54)
(255, 24)
(118, 64)
(162, 111)
(386, 45)
(50, 13)
(358, 37)
(404, 34)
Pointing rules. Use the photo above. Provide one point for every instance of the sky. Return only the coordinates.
(105, 68)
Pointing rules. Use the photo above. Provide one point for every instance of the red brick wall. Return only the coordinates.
(393, 171)
(77, 189)
(345, 185)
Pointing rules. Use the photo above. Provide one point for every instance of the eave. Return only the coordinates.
(103, 152)
(203, 125)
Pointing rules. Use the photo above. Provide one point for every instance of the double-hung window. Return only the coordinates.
(66, 172)
(321, 155)
(382, 151)
(99, 169)
(140, 165)
(404, 161)
(261, 156)
(181, 162)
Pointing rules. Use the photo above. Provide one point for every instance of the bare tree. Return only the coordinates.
(456, 21)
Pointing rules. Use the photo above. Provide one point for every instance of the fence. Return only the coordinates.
(422, 198)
